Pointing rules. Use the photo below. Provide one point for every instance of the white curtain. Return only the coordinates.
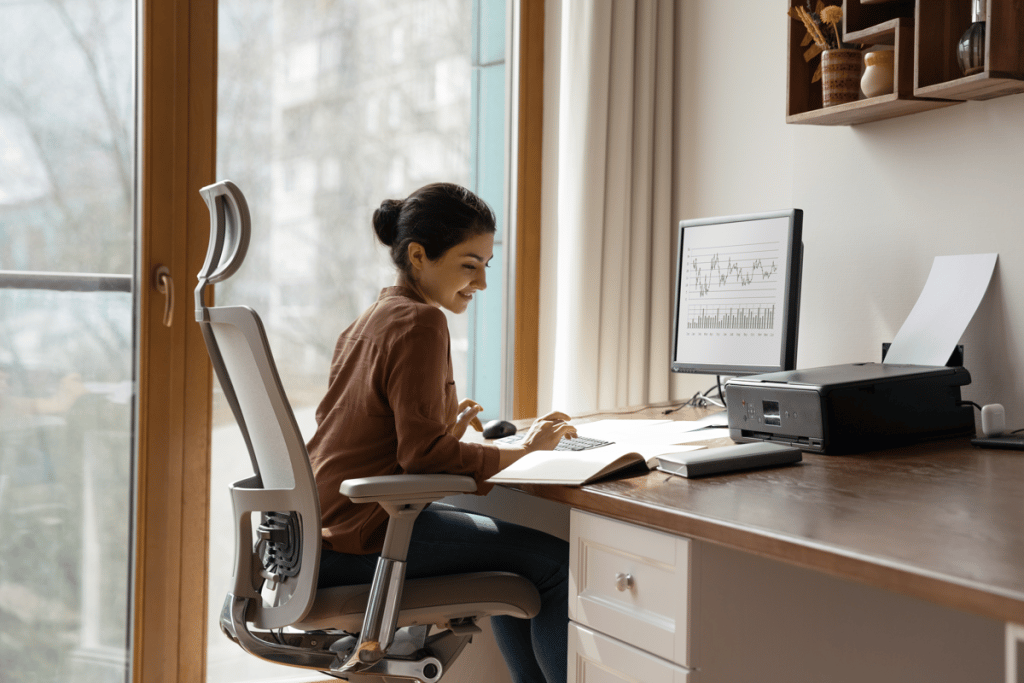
(613, 310)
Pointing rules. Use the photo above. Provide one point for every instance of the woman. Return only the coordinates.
(391, 407)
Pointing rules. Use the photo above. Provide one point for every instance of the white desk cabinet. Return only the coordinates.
(596, 658)
(629, 601)
(697, 612)
(1014, 653)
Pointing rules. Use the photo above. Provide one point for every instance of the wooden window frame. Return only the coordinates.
(176, 78)
(528, 103)
(177, 85)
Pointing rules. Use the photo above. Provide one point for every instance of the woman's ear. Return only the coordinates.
(417, 255)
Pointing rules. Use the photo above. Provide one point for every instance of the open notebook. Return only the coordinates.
(574, 468)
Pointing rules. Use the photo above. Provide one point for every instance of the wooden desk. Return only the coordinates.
(941, 522)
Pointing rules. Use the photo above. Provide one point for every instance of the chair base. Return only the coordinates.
(414, 656)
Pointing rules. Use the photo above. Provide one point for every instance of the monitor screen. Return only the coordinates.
(738, 294)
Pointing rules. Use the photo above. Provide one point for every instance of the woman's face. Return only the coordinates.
(451, 280)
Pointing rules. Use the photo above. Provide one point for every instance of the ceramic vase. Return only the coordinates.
(970, 51)
(840, 76)
(878, 73)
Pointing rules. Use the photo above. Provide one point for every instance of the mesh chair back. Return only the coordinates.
(281, 568)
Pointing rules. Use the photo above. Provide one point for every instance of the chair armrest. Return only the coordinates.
(406, 488)
(403, 496)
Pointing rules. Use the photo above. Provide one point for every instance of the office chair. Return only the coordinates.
(378, 632)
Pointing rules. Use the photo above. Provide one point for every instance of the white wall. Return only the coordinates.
(880, 200)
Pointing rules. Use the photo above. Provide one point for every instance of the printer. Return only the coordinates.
(850, 408)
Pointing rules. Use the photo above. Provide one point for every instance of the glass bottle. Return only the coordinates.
(970, 51)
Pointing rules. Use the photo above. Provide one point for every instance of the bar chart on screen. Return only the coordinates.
(731, 318)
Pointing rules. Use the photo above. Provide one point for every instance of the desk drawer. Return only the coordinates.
(631, 583)
(595, 658)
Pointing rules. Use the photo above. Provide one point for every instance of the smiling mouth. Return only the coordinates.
(466, 296)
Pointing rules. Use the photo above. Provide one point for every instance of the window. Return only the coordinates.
(330, 53)
(67, 124)
(302, 61)
(398, 45)
(486, 329)
(415, 104)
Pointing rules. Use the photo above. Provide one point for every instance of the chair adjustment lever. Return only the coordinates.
(365, 656)
(274, 534)
(426, 669)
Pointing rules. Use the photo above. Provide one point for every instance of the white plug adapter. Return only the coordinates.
(993, 419)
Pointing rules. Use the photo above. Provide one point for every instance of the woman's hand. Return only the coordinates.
(468, 411)
(544, 434)
(547, 431)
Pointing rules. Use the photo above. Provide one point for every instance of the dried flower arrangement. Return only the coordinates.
(824, 29)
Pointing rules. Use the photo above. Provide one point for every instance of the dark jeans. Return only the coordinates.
(447, 540)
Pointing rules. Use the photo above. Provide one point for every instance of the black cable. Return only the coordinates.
(702, 399)
(695, 401)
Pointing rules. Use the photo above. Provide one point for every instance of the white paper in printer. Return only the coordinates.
(952, 294)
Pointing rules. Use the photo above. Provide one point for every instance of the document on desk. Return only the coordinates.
(951, 295)
(702, 435)
(575, 468)
(618, 430)
(651, 431)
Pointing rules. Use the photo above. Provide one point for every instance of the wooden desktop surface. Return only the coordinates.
(941, 521)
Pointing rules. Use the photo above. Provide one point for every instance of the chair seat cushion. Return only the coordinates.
(433, 600)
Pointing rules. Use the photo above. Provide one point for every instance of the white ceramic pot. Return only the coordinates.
(878, 73)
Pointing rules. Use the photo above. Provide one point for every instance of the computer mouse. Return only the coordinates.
(496, 429)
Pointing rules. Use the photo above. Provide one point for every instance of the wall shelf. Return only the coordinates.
(940, 25)
(867, 110)
(923, 35)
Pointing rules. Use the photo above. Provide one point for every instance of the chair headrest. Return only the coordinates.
(230, 226)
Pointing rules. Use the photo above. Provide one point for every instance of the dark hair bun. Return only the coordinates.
(436, 216)
(385, 221)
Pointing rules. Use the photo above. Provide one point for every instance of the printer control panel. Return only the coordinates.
(764, 413)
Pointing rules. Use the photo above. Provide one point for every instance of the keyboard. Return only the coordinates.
(580, 443)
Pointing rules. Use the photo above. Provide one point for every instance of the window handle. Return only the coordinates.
(164, 284)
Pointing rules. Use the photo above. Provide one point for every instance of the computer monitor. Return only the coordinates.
(738, 294)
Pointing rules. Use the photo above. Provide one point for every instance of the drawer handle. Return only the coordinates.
(623, 582)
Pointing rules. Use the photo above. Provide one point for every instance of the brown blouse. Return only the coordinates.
(389, 407)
